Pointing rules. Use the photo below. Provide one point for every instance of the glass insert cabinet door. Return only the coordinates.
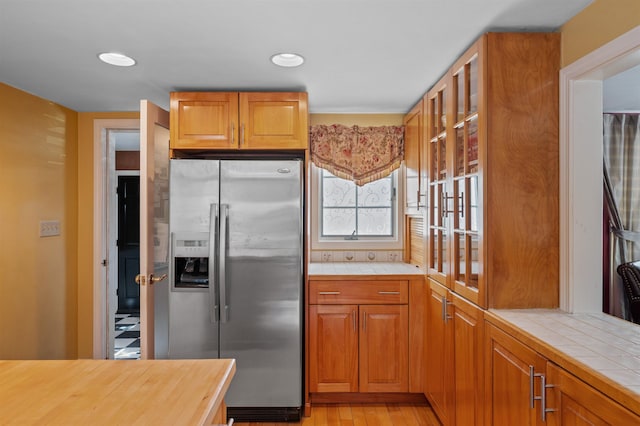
(465, 195)
(437, 176)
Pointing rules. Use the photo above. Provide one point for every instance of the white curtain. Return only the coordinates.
(622, 188)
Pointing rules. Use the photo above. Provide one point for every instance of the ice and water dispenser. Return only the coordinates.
(190, 260)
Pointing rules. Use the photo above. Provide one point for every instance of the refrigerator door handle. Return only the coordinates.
(213, 226)
(224, 217)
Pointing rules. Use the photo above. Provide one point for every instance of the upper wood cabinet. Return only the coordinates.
(437, 172)
(239, 120)
(492, 130)
(413, 150)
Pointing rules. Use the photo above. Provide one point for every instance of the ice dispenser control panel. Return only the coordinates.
(190, 261)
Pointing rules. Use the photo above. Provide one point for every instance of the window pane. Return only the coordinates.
(346, 207)
(377, 193)
(374, 221)
(338, 221)
(473, 201)
(337, 192)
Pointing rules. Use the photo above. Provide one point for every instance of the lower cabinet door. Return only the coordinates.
(468, 325)
(333, 348)
(570, 401)
(384, 348)
(512, 368)
(439, 356)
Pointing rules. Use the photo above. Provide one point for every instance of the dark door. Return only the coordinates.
(128, 243)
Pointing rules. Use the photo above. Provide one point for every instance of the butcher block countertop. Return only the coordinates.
(108, 392)
(348, 270)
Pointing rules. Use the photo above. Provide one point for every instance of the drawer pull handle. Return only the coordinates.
(324, 293)
(389, 292)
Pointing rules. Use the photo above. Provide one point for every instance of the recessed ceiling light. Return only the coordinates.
(117, 59)
(287, 59)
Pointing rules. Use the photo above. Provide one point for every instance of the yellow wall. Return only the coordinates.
(357, 119)
(38, 181)
(598, 24)
(85, 225)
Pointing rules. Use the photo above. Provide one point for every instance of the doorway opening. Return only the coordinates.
(116, 162)
(126, 340)
(581, 159)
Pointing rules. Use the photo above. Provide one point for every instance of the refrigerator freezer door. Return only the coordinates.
(264, 281)
(194, 189)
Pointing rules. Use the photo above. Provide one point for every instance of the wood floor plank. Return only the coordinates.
(357, 413)
(370, 415)
(345, 412)
(400, 416)
(384, 416)
(425, 417)
(381, 414)
(333, 415)
(306, 421)
(319, 414)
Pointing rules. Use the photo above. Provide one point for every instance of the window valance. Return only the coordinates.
(360, 154)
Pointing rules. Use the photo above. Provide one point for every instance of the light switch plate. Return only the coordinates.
(49, 228)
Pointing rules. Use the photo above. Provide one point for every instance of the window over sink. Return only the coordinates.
(350, 216)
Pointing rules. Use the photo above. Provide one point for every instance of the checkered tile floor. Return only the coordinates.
(127, 337)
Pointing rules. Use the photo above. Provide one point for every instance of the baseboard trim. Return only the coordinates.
(367, 398)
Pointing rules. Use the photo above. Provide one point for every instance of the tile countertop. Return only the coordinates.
(363, 268)
(602, 350)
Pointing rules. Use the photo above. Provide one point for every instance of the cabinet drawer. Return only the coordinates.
(358, 292)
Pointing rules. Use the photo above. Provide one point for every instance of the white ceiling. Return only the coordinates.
(361, 55)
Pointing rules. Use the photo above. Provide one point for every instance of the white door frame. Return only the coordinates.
(581, 156)
(103, 172)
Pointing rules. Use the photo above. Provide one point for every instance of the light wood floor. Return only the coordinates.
(364, 415)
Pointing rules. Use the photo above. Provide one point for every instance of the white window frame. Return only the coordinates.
(363, 243)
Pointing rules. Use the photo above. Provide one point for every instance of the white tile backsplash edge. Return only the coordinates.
(356, 255)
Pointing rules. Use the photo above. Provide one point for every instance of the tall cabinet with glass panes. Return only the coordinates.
(465, 235)
(492, 137)
(493, 220)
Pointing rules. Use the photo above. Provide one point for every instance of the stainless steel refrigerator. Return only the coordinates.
(236, 277)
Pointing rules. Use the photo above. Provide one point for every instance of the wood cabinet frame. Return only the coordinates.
(517, 254)
(239, 121)
(395, 315)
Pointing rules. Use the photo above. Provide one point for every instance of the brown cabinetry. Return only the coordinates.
(573, 402)
(513, 380)
(492, 135)
(358, 336)
(453, 355)
(239, 120)
(439, 379)
(525, 388)
(413, 151)
(468, 367)
(437, 171)
(333, 344)
(384, 348)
